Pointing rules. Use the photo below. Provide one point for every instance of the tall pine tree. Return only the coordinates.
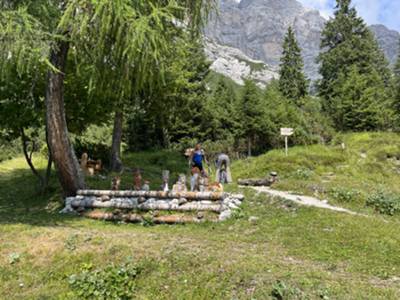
(221, 112)
(397, 84)
(348, 48)
(251, 114)
(292, 83)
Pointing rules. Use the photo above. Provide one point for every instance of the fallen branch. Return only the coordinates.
(255, 182)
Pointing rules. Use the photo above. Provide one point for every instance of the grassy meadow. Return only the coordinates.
(282, 252)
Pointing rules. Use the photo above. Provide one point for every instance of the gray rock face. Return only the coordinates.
(257, 28)
(233, 63)
(388, 40)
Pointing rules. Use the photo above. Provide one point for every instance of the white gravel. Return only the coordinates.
(302, 200)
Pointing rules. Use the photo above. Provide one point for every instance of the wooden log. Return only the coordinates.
(156, 194)
(136, 218)
(124, 203)
(255, 182)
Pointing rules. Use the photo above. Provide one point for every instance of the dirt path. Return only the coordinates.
(302, 200)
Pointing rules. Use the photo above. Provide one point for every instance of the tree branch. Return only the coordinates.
(28, 156)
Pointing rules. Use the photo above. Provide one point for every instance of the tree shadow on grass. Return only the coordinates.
(21, 201)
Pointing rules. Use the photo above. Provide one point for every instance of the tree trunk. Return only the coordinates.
(116, 163)
(43, 180)
(28, 158)
(133, 203)
(137, 218)
(255, 182)
(249, 146)
(49, 163)
(69, 173)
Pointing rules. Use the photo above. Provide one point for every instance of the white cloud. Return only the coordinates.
(373, 11)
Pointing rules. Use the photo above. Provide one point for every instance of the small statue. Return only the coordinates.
(180, 186)
(274, 177)
(146, 186)
(194, 180)
(203, 182)
(98, 166)
(165, 178)
(215, 187)
(84, 161)
(137, 180)
(115, 183)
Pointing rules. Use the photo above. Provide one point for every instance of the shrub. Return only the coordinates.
(303, 173)
(281, 291)
(96, 142)
(9, 149)
(112, 282)
(384, 203)
(343, 194)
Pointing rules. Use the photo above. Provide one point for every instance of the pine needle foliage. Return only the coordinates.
(24, 42)
(292, 83)
(397, 84)
(349, 50)
(125, 42)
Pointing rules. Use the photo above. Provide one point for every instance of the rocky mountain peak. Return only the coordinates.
(257, 28)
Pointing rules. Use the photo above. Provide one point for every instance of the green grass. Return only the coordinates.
(315, 254)
(254, 66)
(369, 162)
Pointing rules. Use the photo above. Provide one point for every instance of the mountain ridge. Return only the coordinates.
(257, 28)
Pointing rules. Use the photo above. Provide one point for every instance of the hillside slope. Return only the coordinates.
(271, 249)
(370, 163)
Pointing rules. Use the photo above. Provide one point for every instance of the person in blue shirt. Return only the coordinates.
(197, 157)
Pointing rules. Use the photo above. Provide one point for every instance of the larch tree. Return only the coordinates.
(292, 82)
(123, 41)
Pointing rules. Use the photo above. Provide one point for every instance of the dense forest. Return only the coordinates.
(106, 77)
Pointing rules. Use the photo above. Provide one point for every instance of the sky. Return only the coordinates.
(386, 12)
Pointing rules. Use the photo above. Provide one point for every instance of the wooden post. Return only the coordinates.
(286, 132)
(286, 145)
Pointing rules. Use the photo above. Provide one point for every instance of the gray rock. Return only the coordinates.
(253, 219)
(237, 202)
(225, 215)
(142, 200)
(388, 40)
(226, 201)
(174, 202)
(68, 206)
(232, 205)
(182, 201)
(233, 63)
(104, 198)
